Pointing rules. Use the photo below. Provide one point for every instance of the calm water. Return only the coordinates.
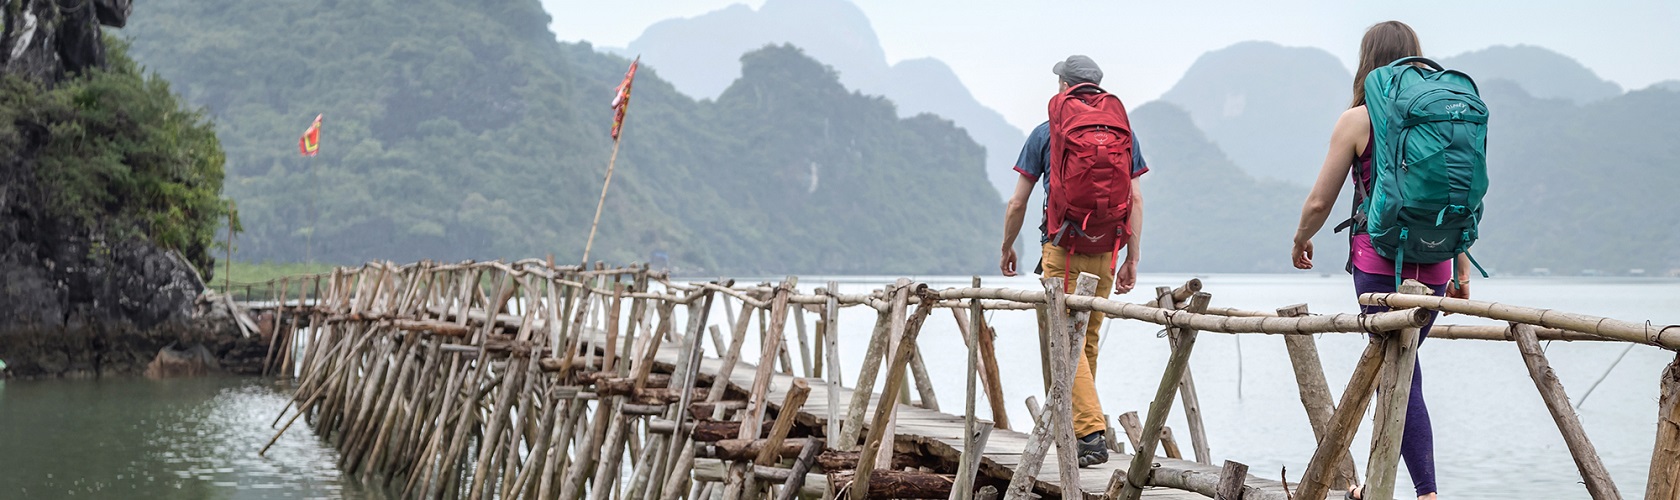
(1494, 439)
(136, 438)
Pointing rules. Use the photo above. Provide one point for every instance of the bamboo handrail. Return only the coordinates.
(1664, 336)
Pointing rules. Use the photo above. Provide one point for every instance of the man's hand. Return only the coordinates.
(1302, 254)
(1125, 278)
(1008, 264)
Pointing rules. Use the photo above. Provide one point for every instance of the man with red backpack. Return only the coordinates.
(1090, 161)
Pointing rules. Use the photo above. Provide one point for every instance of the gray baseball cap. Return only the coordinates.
(1078, 69)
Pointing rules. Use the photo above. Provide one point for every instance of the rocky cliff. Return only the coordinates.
(79, 295)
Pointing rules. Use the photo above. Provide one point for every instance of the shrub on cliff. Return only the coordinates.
(118, 156)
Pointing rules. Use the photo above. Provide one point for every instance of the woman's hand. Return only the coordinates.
(1302, 254)
(1462, 291)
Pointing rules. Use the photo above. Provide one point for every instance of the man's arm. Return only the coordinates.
(1125, 277)
(1014, 215)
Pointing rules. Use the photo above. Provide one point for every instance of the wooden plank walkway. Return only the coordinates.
(940, 434)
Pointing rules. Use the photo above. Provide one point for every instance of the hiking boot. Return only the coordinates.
(1093, 450)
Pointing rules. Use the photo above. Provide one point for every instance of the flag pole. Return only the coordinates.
(620, 104)
(309, 237)
(602, 203)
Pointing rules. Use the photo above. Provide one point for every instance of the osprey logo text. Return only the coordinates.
(1432, 244)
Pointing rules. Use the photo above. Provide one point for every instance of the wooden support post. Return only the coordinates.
(831, 334)
(1133, 426)
(1137, 475)
(784, 421)
(895, 343)
(1192, 403)
(988, 369)
(1314, 390)
(884, 408)
(1663, 480)
(865, 387)
(1043, 312)
(741, 483)
(970, 456)
(924, 382)
(1231, 479)
(804, 343)
(1394, 392)
(1115, 445)
(1067, 335)
(1032, 458)
(1169, 444)
(1592, 469)
(778, 319)
(1315, 482)
(974, 451)
(801, 466)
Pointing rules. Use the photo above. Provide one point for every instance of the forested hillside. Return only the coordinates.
(838, 33)
(462, 129)
(1203, 214)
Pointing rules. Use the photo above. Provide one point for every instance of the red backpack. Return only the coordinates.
(1090, 171)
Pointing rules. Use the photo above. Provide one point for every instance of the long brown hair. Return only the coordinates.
(1384, 42)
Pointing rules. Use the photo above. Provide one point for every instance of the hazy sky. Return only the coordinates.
(1003, 50)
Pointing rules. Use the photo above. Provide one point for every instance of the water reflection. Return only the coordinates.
(136, 438)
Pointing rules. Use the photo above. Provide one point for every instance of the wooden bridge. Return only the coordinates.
(530, 380)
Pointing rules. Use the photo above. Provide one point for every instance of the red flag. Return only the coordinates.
(621, 99)
(310, 143)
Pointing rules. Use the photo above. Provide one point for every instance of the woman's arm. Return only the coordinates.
(1351, 129)
(1460, 287)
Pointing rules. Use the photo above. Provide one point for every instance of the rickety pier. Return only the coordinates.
(530, 380)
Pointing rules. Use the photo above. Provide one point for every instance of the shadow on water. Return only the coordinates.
(138, 438)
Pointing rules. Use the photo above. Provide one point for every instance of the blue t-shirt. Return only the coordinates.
(1035, 160)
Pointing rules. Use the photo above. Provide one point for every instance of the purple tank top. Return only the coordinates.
(1365, 257)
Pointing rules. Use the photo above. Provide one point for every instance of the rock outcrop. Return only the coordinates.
(72, 301)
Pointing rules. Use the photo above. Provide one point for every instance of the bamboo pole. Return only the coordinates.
(1593, 473)
(969, 462)
(831, 313)
(981, 340)
(1231, 479)
(1393, 393)
(1137, 475)
(1067, 334)
(862, 391)
(884, 408)
(804, 344)
(1032, 457)
(1665, 336)
(1315, 482)
(1187, 390)
(1314, 390)
(924, 382)
(740, 478)
(1663, 479)
(785, 417)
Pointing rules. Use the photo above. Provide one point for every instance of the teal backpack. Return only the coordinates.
(1429, 166)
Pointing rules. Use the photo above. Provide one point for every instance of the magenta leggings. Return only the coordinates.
(1417, 443)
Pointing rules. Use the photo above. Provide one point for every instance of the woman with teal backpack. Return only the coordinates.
(1393, 238)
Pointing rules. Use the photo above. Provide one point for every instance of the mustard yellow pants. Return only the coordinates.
(1087, 410)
